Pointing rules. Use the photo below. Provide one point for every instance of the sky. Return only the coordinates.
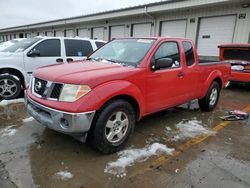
(22, 12)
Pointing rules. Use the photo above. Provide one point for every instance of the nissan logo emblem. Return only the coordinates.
(38, 86)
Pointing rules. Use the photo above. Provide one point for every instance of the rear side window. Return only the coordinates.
(189, 53)
(77, 48)
(49, 48)
(169, 50)
(99, 44)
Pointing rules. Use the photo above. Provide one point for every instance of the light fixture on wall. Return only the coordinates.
(128, 26)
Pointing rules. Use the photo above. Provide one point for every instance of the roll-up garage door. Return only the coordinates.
(50, 33)
(98, 33)
(117, 31)
(70, 33)
(175, 28)
(59, 33)
(213, 32)
(142, 30)
(83, 33)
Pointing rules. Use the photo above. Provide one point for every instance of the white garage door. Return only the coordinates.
(117, 31)
(142, 30)
(83, 33)
(213, 32)
(59, 33)
(98, 33)
(175, 28)
(50, 33)
(41, 34)
(70, 33)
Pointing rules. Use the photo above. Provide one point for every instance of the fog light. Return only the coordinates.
(64, 123)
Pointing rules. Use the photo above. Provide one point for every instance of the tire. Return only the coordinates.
(112, 126)
(209, 102)
(10, 87)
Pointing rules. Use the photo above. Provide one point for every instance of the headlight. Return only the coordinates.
(71, 93)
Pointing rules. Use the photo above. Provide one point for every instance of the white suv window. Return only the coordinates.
(49, 48)
(77, 48)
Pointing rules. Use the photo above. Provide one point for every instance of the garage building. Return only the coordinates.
(208, 22)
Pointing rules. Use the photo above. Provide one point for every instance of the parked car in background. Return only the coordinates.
(238, 55)
(101, 98)
(4, 45)
(21, 59)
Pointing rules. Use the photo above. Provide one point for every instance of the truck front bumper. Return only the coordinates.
(65, 122)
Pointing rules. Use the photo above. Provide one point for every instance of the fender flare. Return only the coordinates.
(113, 89)
(216, 74)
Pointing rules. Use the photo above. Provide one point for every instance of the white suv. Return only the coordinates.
(18, 61)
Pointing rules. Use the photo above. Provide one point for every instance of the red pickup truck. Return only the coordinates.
(238, 55)
(100, 99)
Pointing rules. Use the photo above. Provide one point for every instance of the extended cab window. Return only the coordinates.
(189, 53)
(169, 50)
(49, 48)
(77, 48)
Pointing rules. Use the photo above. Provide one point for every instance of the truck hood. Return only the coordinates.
(91, 73)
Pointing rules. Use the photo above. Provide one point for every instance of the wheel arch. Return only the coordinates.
(14, 72)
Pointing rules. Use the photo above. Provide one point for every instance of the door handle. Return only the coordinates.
(59, 60)
(181, 74)
(69, 60)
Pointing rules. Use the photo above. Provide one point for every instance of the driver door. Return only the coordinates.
(164, 86)
(47, 52)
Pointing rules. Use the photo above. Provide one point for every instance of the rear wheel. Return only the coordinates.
(209, 102)
(112, 126)
(10, 87)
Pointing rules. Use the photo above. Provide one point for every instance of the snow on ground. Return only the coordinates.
(28, 119)
(130, 156)
(64, 175)
(190, 129)
(8, 102)
(8, 131)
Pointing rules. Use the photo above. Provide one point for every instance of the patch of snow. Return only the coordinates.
(8, 131)
(190, 129)
(8, 102)
(28, 119)
(64, 175)
(168, 128)
(130, 156)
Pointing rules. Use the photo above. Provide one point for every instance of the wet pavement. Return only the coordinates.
(33, 156)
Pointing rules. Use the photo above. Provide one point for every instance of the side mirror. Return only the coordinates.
(33, 53)
(162, 63)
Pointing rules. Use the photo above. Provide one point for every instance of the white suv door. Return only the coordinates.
(47, 52)
(76, 49)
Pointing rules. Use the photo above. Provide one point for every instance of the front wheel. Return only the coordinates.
(10, 87)
(209, 102)
(112, 126)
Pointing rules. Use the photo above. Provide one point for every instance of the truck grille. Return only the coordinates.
(46, 89)
(55, 94)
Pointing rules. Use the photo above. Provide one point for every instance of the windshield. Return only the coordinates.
(237, 54)
(22, 45)
(128, 52)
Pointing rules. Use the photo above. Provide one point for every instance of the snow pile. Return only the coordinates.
(8, 131)
(131, 156)
(8, 102)
(64, 175)
(190, 129)
(28, 119)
